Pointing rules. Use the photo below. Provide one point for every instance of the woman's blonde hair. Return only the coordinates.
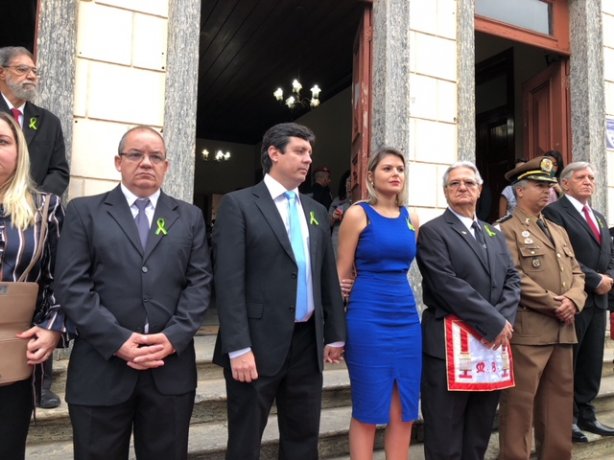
(373, 162)
(18, 191)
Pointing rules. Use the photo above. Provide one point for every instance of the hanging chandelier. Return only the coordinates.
(217, 156)
(295, 99)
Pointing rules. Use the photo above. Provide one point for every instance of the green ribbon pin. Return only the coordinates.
(161, 227)
(410, 226)
(33, 123)
(489, 231)
(312, 218)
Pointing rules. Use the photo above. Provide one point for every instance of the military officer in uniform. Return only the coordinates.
(551, 294)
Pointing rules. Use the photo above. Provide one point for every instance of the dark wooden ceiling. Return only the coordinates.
(250, 47)
(17, 20)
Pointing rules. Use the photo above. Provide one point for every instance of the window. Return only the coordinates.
(542, 23)
(535, 15)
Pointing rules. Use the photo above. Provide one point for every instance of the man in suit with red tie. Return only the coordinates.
(592, 245)
(19, 79)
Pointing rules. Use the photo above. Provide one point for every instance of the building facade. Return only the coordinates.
(111, 64)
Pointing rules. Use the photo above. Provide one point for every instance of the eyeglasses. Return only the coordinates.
(22, 70)
(137, 157)
(457, 183)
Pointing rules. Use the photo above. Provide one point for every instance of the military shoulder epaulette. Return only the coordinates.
(503, 219)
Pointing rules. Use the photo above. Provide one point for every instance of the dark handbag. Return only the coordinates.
(17, 306)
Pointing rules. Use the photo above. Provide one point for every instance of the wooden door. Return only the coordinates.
(545, 99)
(361, 104)
(495, 145)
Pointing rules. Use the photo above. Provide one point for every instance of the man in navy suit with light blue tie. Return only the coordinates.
(278, 300)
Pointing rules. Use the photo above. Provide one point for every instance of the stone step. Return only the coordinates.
(598, 447)
(209, 407)
(50, 436)
(208, 440)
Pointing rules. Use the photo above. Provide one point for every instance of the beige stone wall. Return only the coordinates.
(119, 82)
(608, 75)
(433, 78)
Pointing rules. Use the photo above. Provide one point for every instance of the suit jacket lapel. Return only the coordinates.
(266, 205)
(3, 105)
(313, 244)
(31, 121)
(466, 235)
(166, 214)
(30, 112)
(118, 208)
(491, 247)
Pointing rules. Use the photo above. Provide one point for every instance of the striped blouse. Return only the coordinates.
(16, 251)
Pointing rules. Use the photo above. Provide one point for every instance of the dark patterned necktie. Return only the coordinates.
(542, 225)
(479, 237)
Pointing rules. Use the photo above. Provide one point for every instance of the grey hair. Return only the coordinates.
(7, 54)
(462, 164)
(571, 168)
(522, 183)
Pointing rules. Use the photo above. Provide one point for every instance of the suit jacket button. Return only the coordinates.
(144, 269)
(292, 308)
(293, 276)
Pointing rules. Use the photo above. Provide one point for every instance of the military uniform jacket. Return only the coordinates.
(546, 270)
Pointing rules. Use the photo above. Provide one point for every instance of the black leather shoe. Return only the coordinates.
(577, 435)
(595, 426)
(49, 400)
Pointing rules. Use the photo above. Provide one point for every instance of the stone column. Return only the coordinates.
(587, 89)
(181, 95)
(465, 42)
(390, 75)
(390, 86)
(55, 50)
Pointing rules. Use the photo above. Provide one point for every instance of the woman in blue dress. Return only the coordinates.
(377, 242)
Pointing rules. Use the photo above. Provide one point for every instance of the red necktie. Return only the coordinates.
(16, 114)
(591, 223)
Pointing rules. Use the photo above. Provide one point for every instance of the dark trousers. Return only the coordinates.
(47, 377)
(588, 361)
(297, 391)
(457, 424)
(16, 404)
(160, 422)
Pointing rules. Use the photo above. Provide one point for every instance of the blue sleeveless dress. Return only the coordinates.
(384, 344)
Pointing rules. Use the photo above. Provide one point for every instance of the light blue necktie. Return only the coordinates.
(298, 247)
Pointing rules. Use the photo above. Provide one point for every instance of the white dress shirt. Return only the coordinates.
(21, 108)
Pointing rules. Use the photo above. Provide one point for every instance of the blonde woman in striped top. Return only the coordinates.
(20, 224)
